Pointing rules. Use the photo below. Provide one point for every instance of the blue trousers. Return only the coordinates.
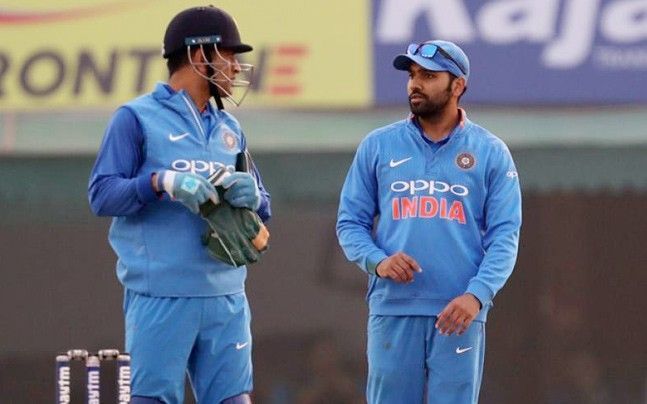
(409, 361)
(207, 336)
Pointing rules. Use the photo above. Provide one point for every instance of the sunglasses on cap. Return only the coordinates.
(429, 50)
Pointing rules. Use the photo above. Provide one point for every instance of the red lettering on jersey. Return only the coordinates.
(428, 207)
(443, 208)
(456, 212)
(409, 207)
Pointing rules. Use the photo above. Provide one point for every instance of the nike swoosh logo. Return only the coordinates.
(175, 138)
(397, 163)
(240, 346)
(461, 350)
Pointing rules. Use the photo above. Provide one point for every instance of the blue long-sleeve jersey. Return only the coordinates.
(157, 240)
(455, 208)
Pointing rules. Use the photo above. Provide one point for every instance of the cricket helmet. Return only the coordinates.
(203, 25)
(214, 29)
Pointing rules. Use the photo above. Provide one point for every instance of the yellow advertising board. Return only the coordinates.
(99, 53)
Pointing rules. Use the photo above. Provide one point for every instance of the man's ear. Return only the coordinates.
(458, 86)
(198, 60)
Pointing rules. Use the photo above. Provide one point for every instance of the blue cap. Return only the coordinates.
(458, 64)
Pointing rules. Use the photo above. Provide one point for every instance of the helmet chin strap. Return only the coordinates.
(213, 89)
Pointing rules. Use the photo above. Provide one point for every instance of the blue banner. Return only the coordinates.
(530, 52)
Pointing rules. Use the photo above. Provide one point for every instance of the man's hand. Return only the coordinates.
(190, 189)
(458, 314)
(398, 267)
(242, 191)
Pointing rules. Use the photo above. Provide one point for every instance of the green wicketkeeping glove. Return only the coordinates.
(237, 236)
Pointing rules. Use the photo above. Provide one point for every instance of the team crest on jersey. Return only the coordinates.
(229, 139)
(465, 161)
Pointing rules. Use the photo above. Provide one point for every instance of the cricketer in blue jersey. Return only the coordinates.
(184, 310)
(431, 210)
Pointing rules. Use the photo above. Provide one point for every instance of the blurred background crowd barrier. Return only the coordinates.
(561, 81)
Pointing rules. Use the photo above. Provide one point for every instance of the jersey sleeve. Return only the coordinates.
(358, 207)
(265, 209)
(114, 187)
(502, 227)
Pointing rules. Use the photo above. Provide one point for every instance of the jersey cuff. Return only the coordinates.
(145, 191)
(482, 292)
(263, 209)
(373, 260)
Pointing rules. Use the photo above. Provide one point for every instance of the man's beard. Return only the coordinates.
(428, 108)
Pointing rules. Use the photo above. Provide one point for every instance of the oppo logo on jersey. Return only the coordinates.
(430, 186)
(200, 166)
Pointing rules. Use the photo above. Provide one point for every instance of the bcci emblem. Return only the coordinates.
(465, 161)
(229, 139)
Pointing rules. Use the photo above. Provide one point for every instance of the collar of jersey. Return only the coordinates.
(179, 101)
(458, 129)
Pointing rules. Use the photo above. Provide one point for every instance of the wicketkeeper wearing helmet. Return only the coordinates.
(188, 206)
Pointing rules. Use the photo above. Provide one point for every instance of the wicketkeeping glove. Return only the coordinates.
(242, 191)
(236, 235)
(190, 189)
